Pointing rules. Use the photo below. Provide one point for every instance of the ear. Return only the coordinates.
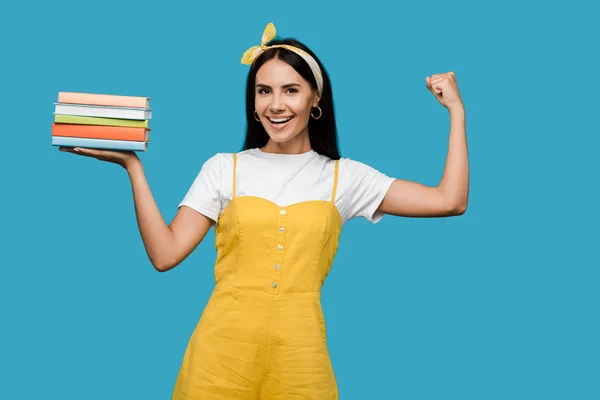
(316, 101)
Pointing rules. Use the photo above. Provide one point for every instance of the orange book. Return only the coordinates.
(101, 132)
(103, 100)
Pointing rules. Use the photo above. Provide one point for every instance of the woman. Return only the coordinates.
(278, 208)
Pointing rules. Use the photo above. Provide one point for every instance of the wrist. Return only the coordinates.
(132, 165)
(458, 111)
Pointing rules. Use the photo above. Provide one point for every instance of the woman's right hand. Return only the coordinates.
(124, 158)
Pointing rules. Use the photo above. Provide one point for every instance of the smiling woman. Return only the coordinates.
(278, 207)
(283, 108)
(282, 84)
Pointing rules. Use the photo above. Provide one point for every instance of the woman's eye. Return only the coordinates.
(267, 91)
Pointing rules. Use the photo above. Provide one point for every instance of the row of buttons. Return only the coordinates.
(280, 248)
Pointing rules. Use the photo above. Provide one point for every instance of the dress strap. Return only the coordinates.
(234, 174)
(335, 180)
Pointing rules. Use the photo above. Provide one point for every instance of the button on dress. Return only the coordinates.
(262, 333)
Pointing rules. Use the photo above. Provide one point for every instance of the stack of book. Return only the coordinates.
(101, 121)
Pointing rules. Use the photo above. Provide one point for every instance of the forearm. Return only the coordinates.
(156, 234)
(455, 180)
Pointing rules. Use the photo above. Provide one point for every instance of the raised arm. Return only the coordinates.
(450, 197)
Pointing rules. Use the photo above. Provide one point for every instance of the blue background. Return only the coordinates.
(501, 303)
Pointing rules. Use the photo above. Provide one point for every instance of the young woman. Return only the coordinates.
(278, 208)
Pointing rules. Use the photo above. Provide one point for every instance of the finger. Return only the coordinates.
(440, 83)
(433, 88)
(67, 149)
(444, 78)
(441, 78)
(434, 84)
(450, 73)
(430, 81)
(87, 151)
(83, 152)
(436, 77)
(429, 85)
(435, 91)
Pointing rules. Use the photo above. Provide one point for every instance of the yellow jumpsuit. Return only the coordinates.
(262, 332)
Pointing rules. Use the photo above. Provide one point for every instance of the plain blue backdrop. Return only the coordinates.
(500, 303)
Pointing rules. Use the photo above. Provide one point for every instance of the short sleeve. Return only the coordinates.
(204, 195)
(366, 187)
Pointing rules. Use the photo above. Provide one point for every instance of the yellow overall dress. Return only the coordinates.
(262, 332)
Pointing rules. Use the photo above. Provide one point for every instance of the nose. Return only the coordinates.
(276, 104)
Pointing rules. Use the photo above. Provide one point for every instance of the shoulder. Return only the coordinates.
(213, 169)
(357, 175)
(217, 162)
(348, 169)
(221, 158)
(349, 163)
(224, 162)
(351, 167)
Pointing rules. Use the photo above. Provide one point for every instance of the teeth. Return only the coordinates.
(279, 120)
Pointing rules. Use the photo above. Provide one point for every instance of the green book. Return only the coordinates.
(74, 119)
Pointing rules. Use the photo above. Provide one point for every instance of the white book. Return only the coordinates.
(102, 111)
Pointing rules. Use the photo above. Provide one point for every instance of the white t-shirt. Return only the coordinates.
(286, 179)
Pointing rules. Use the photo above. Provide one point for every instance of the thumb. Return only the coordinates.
(429, 85)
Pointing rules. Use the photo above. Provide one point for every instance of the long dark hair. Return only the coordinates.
(322, 132)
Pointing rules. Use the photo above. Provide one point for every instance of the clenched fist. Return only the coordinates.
(445, 90)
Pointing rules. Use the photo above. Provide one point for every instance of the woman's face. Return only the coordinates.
(283, 100)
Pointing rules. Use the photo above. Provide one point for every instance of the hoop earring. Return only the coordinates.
(320, 113)
(256, 117)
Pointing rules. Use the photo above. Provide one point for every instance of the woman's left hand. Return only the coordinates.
(445, 90)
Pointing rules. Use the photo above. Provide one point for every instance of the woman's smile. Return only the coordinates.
(279, 123)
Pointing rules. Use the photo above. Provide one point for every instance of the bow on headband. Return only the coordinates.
(253, 52)
(269, 34)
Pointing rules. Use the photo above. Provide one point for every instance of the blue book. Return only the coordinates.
(99, 143)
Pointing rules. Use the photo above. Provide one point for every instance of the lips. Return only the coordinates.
(279, 123)
(279, 120)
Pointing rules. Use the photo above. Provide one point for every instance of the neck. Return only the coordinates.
(298, 145)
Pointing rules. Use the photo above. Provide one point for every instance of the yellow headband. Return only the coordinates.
(269, 34)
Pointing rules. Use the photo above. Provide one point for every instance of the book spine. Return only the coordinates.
(100, 132)
(99, 143)
(103, 99)
(78, 120)
(102, 112)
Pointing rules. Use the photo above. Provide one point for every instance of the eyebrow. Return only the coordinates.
(288, 85)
